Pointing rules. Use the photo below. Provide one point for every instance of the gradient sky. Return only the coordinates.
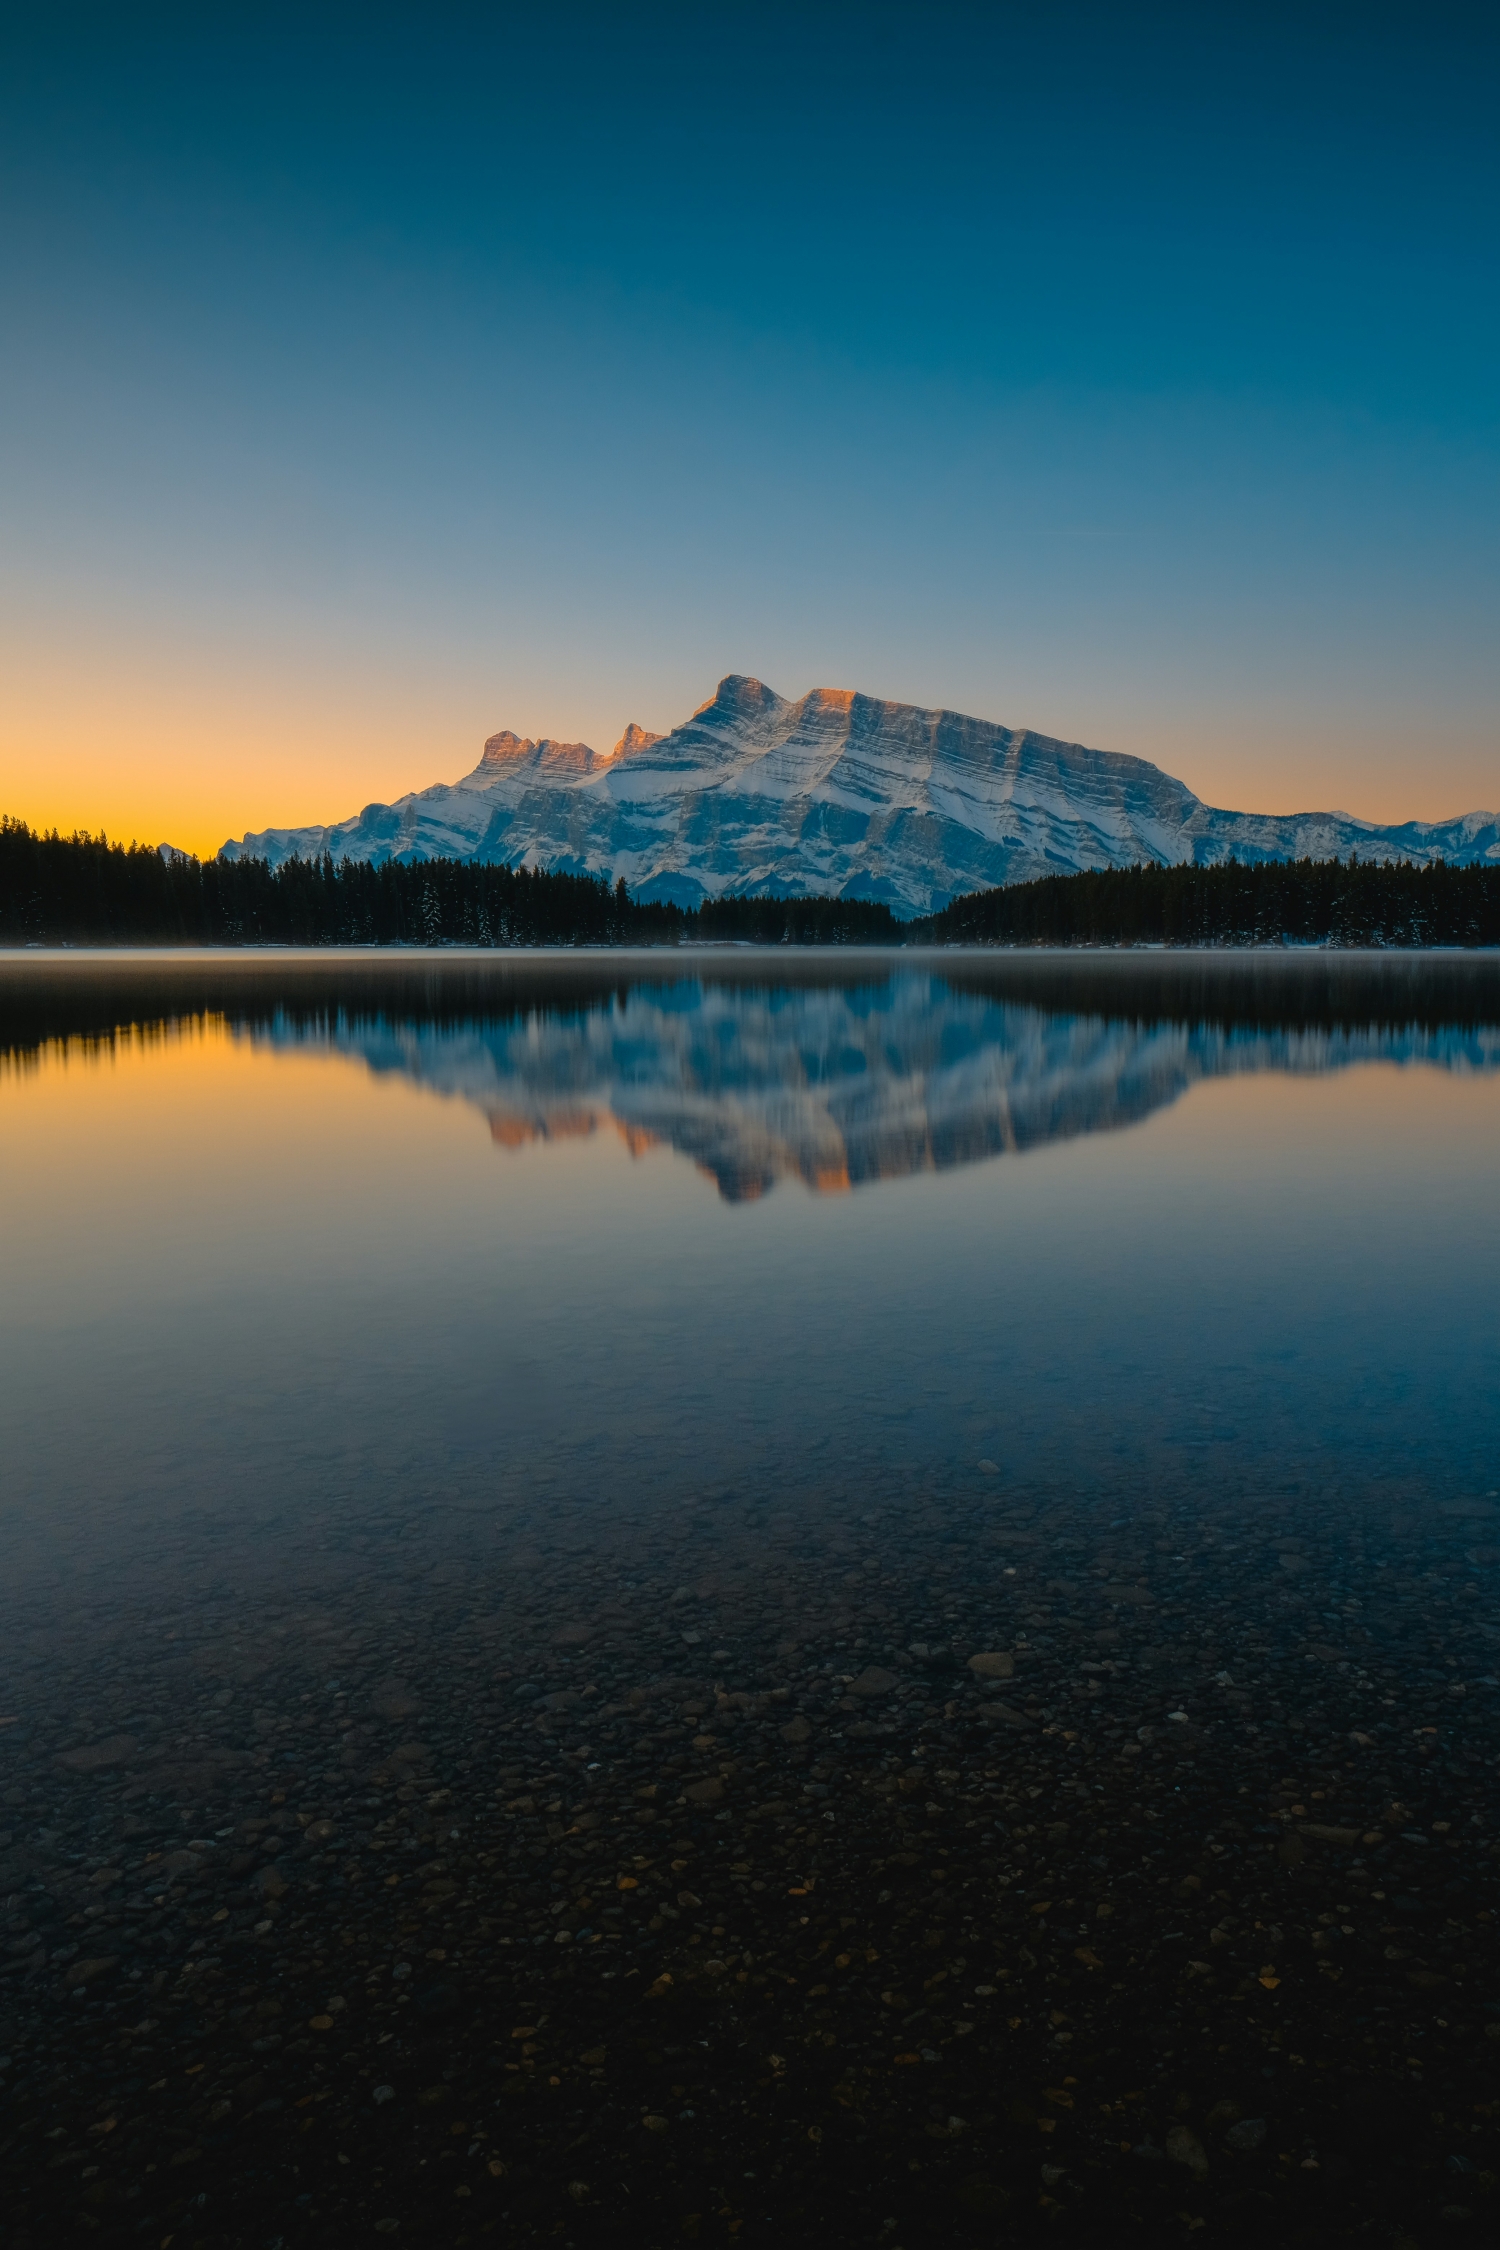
(374, 379)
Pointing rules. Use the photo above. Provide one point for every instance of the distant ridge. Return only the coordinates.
(838, 794)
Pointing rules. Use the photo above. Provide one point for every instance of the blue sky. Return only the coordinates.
(376, 379)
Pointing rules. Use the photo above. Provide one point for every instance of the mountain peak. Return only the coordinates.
(740, 697)
(634, 738)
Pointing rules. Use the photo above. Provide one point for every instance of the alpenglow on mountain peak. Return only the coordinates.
(837, 793)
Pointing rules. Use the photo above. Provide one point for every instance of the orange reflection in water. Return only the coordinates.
(244, 1272)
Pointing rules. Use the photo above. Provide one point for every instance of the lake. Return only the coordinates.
(512, 1420)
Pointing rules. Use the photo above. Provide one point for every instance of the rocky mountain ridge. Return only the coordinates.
(840, 794)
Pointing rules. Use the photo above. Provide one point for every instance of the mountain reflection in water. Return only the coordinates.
(845, 1085)
(836, 1069)
(264, 1259)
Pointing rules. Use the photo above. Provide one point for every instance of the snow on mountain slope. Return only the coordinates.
(836, 793)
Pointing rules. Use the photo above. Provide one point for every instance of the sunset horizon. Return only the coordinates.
(340, 445)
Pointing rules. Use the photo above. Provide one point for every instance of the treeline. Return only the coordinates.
(84, 890)
(1275, 902)
(796, 921)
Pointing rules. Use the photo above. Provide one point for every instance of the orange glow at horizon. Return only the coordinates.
(194, 782)
(196, 762)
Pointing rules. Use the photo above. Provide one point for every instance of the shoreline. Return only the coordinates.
(698, 947)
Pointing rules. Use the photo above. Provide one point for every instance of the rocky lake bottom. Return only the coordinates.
(972, 1866)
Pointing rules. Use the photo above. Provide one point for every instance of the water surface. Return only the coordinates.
(297, 1239)
(507, 1466)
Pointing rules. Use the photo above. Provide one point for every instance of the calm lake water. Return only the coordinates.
(292, 1241)
(754, 1598)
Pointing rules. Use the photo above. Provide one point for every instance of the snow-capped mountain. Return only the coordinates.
(837, 1086)
(837, 793)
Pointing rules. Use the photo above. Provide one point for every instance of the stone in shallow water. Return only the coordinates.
(873, 1681)
(1247, 2135)
(1007, 1714)
(993, 1664)
(84, 1972)
(91, 1757)
(1185, 2148)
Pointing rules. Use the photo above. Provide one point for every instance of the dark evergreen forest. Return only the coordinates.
(1275, 902)
(83, 890)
